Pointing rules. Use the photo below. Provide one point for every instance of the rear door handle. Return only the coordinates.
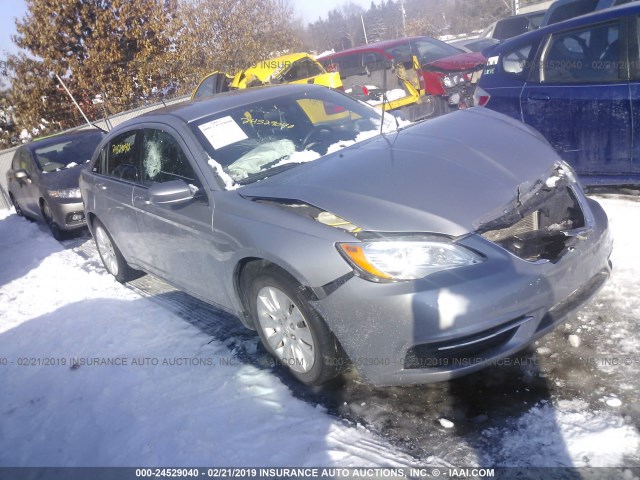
(101, 186)
(538, 97)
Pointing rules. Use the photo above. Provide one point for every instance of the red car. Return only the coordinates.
(434, 68)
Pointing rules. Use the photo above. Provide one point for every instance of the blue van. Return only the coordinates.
(562, 10)
(578, 83)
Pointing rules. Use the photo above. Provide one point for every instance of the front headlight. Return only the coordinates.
(394, 260)
(450, 81)
(66, 193)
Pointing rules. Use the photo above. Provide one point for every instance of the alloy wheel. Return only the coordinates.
(106, 250)
(285, 329)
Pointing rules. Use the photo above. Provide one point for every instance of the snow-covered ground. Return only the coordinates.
(94, 374)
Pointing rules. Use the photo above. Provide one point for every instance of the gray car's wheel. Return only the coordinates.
(110, 255)
(16, 205)
(292, 331)
(56, 231)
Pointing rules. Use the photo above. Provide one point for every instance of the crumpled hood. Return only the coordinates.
(448, 175)
(463, 61)
(62, 179)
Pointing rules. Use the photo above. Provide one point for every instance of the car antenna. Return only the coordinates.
(385, 101)
(78, 106)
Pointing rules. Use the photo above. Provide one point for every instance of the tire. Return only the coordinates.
(292, 331)
(56, 231)
(110, 255)
(16, 205)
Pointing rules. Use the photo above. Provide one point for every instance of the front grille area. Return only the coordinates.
(539, 231)
(464, 351)
(528, 224)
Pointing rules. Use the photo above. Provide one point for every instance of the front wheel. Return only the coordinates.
(110, 255)
(56, 231)
(292, 331)
(16, 205)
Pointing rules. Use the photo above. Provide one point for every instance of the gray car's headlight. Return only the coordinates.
(406, 259)
(66, 193)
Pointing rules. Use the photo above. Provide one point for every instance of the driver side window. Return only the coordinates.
(20, 160)
(163, 159)
(589, 55)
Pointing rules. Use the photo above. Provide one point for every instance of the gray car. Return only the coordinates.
(416, 253)
(43, 179)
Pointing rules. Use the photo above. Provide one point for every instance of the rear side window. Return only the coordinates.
(515, 62)
(118, 159)
(163, 159)
(592, 54)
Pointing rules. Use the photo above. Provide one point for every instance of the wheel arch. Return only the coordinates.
(246, 270)
(91, 217)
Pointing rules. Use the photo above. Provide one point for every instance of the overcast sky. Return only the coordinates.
(310, 10)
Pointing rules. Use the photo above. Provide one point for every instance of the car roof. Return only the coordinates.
(557, 4)
(61, 137)
(588, 19)
(523, 15)
(377, 46)
(193, 110)
(289, 57)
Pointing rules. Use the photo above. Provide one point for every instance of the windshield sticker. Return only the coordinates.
(120, 148)
(259, 121)
(222, 132)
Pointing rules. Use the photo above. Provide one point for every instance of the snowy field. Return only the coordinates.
(148, 388)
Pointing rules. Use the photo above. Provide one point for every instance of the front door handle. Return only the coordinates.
(101, 186)
(538, 97)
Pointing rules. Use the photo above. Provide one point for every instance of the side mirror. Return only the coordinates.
(172, 193)
(21, 175)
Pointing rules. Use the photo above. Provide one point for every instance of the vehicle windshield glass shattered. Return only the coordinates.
(255, 141)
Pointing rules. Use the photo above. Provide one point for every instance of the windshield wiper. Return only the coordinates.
(267, 173)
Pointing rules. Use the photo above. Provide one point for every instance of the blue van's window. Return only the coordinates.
(516, 62)
(589, 55)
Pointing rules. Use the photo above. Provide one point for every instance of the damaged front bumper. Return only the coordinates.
(456, 322)
(457, 87)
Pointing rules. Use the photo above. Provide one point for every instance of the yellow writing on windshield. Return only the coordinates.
(120, 148)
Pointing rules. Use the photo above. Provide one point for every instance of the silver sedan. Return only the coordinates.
(416, 253)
